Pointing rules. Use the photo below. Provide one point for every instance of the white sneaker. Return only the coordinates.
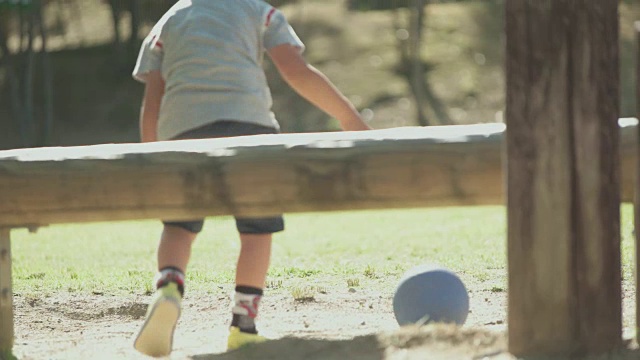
(156, 336)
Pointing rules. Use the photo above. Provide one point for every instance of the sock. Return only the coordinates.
(170, 275)
(245, 308)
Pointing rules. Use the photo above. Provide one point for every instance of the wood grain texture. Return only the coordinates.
(254, 175)
(6, 295)
(564, 177)
(637, 181)
(259, 175)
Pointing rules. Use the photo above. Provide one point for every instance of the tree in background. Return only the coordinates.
(140, 12)
(22, 64)
(430, 109)
(118, 9)
(82, 54)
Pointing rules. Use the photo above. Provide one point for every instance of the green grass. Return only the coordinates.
(337, 251)
(7, 355)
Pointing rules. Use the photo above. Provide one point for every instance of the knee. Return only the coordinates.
(181, 234)
(194, 227)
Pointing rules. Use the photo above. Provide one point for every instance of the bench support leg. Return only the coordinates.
(6, 296)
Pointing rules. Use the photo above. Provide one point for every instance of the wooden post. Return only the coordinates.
(637, 182)
(6, 295)
(563, 181)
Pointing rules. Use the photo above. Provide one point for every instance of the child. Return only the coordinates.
(202, 69)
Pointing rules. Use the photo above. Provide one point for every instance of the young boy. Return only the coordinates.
(202, 69)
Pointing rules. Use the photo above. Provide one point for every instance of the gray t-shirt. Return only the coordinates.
(210, 53)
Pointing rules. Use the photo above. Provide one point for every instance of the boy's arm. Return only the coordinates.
(311, 84)
(153, 93)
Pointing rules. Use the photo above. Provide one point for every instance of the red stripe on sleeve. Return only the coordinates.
(269, 16)
(155, 42)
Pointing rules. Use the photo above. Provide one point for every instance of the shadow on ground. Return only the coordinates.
(361, 348)
(408, 344)
(433, 343)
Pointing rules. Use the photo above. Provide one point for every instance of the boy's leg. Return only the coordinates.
(251, 272)
(174, 249)
(255, 237)
(253, 261)
(156, 335)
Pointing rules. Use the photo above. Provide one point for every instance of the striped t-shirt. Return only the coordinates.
(210, 53)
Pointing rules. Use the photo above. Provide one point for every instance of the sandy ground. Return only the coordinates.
(336, 325)
(73, 326)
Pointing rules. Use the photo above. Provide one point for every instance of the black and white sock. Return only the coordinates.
(170, 275)
(245, 308)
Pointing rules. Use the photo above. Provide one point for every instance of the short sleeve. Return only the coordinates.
(149, 58)
(279, 32)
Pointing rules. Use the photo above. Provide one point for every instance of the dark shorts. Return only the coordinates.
(227, 128)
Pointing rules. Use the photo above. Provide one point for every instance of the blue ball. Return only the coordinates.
(430, 294)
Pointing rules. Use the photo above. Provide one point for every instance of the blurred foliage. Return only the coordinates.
(368, 5)
(365, 5)
(360, 50)
(278, 3)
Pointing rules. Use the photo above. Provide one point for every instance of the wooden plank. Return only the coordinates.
(6, 294)
(637, 183)
(254, 175)
(628, 158)
(563, 177)
(392, 168)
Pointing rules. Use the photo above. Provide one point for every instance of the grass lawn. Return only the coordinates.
(82, 290)
(369, 249)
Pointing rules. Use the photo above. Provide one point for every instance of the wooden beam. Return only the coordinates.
(6, 295)
(563, 177)
(260, 175)
(253, 175)
(628, 158)
(637, 183)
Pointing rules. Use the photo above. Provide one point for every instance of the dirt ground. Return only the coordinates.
(336, 325)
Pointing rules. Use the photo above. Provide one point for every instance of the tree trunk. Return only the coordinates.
(134, 9)
(47, 82)
(119, 51)
(414, 60)
(563, 177)
(27, 120)
(13, 79)
(430, 110)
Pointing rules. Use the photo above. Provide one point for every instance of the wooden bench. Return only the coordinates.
(255, 175)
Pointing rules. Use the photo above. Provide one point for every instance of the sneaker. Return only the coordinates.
(238, 339)
(156, 336)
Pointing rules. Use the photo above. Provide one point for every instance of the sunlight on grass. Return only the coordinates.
(370, 249)
(303, 293)
(353, 282)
